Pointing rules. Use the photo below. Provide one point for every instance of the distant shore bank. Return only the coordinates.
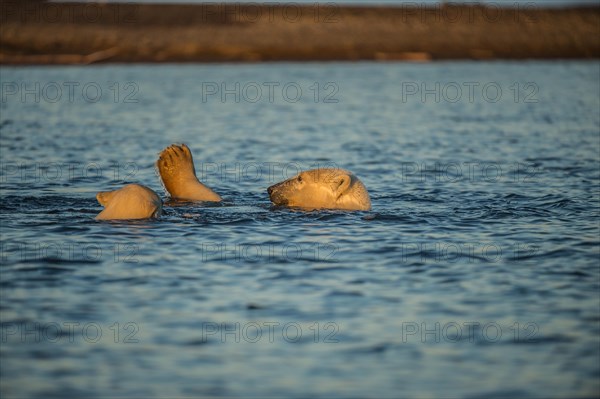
(35, 32)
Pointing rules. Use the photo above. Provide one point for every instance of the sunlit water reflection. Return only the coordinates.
(475, 274)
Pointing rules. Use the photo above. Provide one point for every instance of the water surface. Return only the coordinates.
(475, 273)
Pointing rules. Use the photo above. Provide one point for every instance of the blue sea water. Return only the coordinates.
(476, 273)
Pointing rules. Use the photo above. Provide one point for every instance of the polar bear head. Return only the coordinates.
(325, 188)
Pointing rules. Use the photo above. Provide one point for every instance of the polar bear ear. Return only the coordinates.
(343, 183)
(104, 197)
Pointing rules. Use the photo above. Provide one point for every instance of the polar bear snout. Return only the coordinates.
(276, 194)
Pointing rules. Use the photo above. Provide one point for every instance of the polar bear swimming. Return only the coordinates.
(133, 201)
(326, 188)
(176, 168)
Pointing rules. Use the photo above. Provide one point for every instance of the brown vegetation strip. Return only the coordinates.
(38, 32)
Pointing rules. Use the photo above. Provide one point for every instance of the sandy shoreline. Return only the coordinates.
(35, 32)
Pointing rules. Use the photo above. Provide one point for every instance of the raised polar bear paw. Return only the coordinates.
(176, 170)
(133, 201)
(326, 188)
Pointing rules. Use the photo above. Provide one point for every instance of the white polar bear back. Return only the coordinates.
(133, 201)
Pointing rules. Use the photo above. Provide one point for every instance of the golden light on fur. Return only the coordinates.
(133, 201)
(326, 188)
(176, 169)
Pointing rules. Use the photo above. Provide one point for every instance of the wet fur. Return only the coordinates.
(175, 167)
(326, 188)
(133, 201)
